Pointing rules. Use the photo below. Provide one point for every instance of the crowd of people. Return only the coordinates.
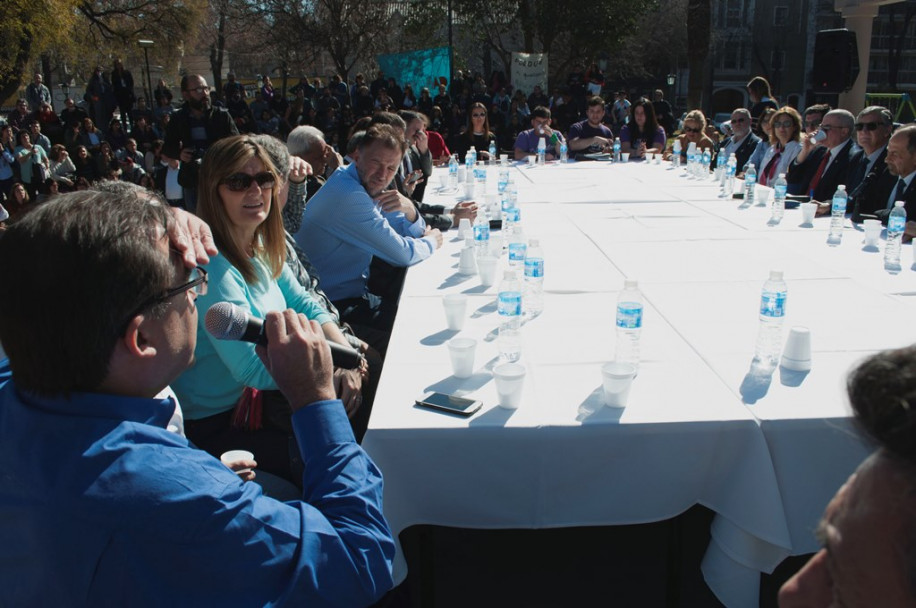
(280, 220)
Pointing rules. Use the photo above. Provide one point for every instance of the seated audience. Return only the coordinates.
(813, 116)
(694, 127)
(867, 531)
(591, 135)
(785, 144)
(765, 122)
(477, 135)
(742, 142)
(896, 181)
(144, 517)
(874, 126)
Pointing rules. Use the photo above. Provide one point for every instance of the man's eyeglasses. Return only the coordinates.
(868, 126)
(693, 130)
(199, 90)
(829, 128)
(782, 124)
(239, 182)
(197, 284)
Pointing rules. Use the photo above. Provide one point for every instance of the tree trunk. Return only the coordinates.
(216, 54)
(11, 83)
(699, 17)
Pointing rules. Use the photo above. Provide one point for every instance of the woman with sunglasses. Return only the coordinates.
(694, 132)
(785, 144)
(228, 396)
(477, 135)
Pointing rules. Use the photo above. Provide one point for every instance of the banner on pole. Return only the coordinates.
(529, 70)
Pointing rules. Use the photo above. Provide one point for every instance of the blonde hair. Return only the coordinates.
(696, 116)
(224, 158)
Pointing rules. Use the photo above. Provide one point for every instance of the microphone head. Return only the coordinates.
(226, 321)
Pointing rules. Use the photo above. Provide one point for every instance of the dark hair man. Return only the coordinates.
(98, 493)
(527, 141)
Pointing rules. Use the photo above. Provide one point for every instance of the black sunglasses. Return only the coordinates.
(478, 115)
(868, 126)
(239, 182)
(692, 130)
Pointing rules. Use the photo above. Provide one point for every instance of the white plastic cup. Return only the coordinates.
(461, 351)
(464, 228)
(625, 157)
(466, 263)
(532, 159)
(504, 160)
(510, 379)
(233, 456)
(486, 269)
(456, 307)
(461, 173)
(872, 232)
(797, 353)
(650, 156)
(763, 196)
(443, 180)
(616, 379)
(809, 210)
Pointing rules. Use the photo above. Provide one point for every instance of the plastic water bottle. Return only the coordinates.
(509, 306)
(480, 176)
(772, 317)
(564, 152)
(707, 160)
(629, 323)
(470, 159)
(721, 162)
(518, 244)
(896, 222)
(493, 155)
(779, 198)
(534, 279)
(676, 153)
(730, 170)
(511, 224)
(542, 151)
(482, 235)
(750, 185)
(453, 172)
(837, 216)
(503, 180)
(617, 156)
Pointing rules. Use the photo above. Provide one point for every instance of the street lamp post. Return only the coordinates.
(671, 78)
(145, 45)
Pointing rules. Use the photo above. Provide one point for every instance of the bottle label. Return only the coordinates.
(534, 267)
(839, 204)
(517, 252)
(773, 304)
(510, 303)
(750, 180)
(629, 315)
(779, 191)
(512, 214)
(896, 223)
(482, 232)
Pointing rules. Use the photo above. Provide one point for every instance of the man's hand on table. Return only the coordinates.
(436, 234)
(467, 209)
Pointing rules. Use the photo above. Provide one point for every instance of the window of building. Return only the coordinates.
(780, 15)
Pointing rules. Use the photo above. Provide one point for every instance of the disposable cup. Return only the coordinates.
(650, 156)
(233, 456)
(532, 159)
(456, 306)
(504, 159)
(461, 351)
(486, 269)
(872, 232)
(443, 180)
(466, 263)
(808, 212)
(464, 228)
(510, 379)
(763, 196)
(625, 157)
(796, 355)
(617, 378)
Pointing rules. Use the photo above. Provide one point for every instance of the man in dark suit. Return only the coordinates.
(819, 168)
(897, 181)
(742, 143)
(874, 126)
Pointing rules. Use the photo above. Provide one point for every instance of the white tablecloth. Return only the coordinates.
(765, 453)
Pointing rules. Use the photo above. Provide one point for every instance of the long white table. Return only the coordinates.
(764, 452)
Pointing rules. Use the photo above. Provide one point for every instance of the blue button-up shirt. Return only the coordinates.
(101, 506)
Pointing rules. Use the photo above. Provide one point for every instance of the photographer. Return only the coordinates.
(193, 129)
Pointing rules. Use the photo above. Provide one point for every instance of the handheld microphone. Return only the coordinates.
(226, 321)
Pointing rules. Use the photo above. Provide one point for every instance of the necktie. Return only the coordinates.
(897, 195)
(819, 173)
(770, 169)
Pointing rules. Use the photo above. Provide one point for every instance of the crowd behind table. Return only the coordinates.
(392, 139)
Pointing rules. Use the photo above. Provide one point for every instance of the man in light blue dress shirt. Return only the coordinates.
(355, 216)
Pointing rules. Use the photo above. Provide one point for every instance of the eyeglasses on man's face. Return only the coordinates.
(868, 126)
(196, 284)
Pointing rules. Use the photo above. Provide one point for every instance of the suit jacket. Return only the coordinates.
(423, 162)
(742, 154)
(875, 200)
(859, 163)
(800, 175)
